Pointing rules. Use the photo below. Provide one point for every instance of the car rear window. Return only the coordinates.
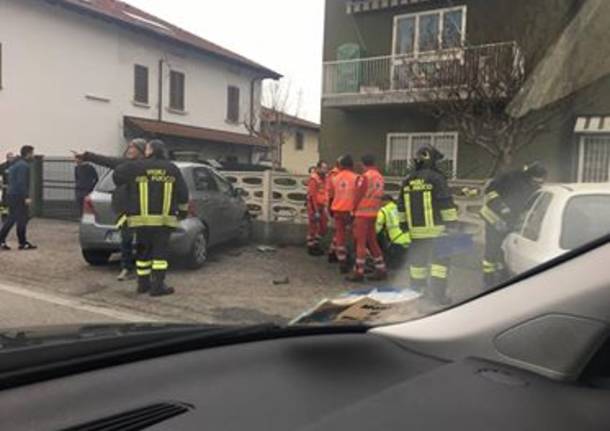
(106, 184)
(585, 219)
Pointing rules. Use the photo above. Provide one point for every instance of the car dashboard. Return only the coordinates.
(345, 381)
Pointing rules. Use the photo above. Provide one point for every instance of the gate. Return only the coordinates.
(58, 198)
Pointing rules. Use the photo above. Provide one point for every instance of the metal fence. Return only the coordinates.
(272, 197)
(453, 68)
(57, 188)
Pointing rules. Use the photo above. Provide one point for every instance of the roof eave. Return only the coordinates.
(263, 72)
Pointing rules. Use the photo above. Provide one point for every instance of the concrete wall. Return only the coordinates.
(299, 161)
(533, 24)
(56, 62)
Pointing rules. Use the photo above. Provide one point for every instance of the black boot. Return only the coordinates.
(332, 257)
(143, 284)
(159, 288)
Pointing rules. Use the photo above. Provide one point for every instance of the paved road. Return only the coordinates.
(20, 307)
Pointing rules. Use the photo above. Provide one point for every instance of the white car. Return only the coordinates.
(558, 218)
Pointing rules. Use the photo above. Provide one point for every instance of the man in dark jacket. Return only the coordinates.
(426, 209)
(157, 196)
(10, 158)
(135, 151)
(18, 199)
(85, 179)
(505, 200)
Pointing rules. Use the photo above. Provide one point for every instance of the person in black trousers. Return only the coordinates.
(155, 197)
(18, 200)
(85, 177)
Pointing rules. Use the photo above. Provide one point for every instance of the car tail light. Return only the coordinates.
(192, 209)
(88, 206)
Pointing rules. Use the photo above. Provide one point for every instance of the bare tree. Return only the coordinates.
(269, 121)
(469, 90)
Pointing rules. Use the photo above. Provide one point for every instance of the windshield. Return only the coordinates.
(338, 162)
(106, 184)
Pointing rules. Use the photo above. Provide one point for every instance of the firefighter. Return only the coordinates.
(155, 198)
(393, 240)
(426, 209)
(10, 158)
(332, 252)
(316, 208)
(134, 151)
(369, 192)
(342, 194)
(505, 200)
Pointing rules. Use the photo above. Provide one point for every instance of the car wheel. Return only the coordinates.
(96, 257)
(199, 252)
(244, 232)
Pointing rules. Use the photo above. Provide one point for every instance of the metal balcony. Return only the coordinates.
(400, 79)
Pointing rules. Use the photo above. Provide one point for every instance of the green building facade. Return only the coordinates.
(377, 54)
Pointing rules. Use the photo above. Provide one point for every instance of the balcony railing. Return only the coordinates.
(437, 70)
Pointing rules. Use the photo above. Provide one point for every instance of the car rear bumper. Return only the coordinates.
(94, 236)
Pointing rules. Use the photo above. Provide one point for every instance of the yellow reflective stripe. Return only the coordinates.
(168, 190)
(143, 185)
(439, 271)
(489, 267)
(159, 265)
(155, 220)
(426, 233)
(144, 263)
(143, 272)
(449, 214)
(418, 272)
(492, 195)
(428, 213)
(489, 215)
(121, 221)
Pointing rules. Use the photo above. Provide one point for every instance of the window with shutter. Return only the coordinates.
(233, 104)
(140, 84)
(176, 90)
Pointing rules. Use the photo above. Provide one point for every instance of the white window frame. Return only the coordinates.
(581, 155)
(417, 15)
(410, 137)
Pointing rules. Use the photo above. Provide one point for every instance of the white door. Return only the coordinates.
(526, 249)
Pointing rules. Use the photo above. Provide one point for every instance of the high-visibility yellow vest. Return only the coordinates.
(388, 221)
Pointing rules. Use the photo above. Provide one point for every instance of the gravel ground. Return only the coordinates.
(235, 286)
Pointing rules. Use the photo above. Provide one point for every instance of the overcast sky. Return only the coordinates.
(284, 35)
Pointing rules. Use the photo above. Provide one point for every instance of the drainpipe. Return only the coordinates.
(253, 82)
(160, 89)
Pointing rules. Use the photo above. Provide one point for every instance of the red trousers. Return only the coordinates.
(365, 238)
(317, 226)
(342, 221)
